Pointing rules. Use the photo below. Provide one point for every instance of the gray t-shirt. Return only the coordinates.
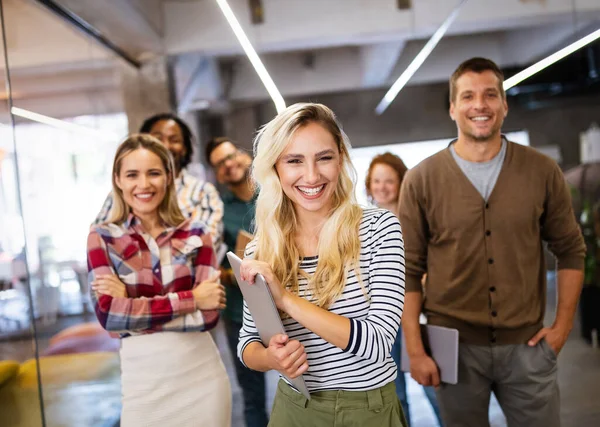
(483, 175)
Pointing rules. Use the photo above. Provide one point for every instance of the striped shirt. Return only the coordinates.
(198, 200)
(365, 363)
(159, 276)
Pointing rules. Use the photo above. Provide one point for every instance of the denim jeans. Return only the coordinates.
(251, 382)
(401, 384)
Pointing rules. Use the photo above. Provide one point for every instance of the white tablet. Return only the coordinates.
(442, 346)
(264, 312)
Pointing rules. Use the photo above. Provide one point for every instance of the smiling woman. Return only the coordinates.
(335, 271)
(153, 279)
(309, 169)
(384, 179)
(143, 182)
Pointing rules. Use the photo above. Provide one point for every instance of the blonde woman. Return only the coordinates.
(153, 281)
(335, 271)
(383, 184)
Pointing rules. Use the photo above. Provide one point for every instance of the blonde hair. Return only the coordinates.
(168, 210)
(276, 220)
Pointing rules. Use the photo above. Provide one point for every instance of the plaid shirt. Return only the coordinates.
(197, 200)
(158, 274)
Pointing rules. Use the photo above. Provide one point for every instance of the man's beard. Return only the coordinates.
(245, 177)
(485, 137)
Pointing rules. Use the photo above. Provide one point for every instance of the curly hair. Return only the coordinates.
(185, 132)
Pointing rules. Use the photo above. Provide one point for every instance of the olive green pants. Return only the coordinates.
(376, 408)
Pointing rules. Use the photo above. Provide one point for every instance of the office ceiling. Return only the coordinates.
(308, 46)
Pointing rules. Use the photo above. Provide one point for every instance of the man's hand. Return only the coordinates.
(555, 336)
(424, 370)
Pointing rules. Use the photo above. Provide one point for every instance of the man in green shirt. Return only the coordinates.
(232, 167)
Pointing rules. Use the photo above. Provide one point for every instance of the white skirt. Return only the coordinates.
(174, 379)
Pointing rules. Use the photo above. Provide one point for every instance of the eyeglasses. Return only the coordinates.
(224, 160)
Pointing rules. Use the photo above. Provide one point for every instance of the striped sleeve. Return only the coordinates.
(371, 337)
(105, 211)
(130, 314)
(248, 331)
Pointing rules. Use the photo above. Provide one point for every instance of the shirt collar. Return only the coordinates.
(130, 222)
(227, 196)
(456, 139)
(133, 225)
(183, 176)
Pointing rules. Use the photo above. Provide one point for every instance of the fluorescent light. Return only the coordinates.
(61, 124)
(418, 61)
(252, 56)
(556, 56)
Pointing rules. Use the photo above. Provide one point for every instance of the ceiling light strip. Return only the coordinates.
(61, 124)
(252, 56)
(418, 61)
(546, 62)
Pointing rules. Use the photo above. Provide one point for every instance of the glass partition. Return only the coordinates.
(20, 392)
(68, 119)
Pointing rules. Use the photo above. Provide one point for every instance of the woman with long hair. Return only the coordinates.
(383, 184)
(336, 273)
(154, 282)
(198, 199)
